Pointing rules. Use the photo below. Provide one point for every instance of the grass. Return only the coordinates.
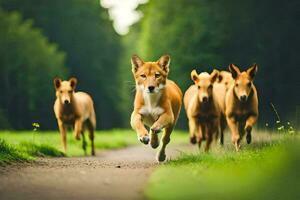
(267, 169)
(27, 145)
(10, 154)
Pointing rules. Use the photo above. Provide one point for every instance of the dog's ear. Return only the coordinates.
(235, 71)
(73, 82)
(220, 78)
(194, 76)
(164, 63)
(136, 63)
(214, 75)
(56, 82)
(252, 70)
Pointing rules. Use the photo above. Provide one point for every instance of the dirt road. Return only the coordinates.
(116, 174)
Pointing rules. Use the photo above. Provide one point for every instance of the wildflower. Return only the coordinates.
(35, 126)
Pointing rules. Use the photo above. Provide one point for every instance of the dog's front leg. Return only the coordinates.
(138, 126)
(248, 127)
(63, 135)
(235, 135)
(193, 128)
(77, 128)
(164, 120)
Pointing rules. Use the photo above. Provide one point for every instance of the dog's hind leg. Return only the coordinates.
(165, 139)
(84, 144)
(91, 136)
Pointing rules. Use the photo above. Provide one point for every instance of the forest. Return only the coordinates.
(40, 40)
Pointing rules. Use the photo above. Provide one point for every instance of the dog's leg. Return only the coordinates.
(77, 128)
(63, 134)
(154, 142)
(138, 126)
(91, 136)
(164, 120)
(235, 135)
(165, 139)
(222, 128)
(248, 127)
(201, 134)
(84, 144)
(193, 127)
(209, 139)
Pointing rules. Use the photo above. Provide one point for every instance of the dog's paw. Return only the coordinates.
(248, 130)
(161, 156)
(193, 140)
(145, 139)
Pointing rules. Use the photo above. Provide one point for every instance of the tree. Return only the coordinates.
(83, 30)
(207, 34)
(28, 63)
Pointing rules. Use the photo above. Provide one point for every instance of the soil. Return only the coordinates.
(115, 174)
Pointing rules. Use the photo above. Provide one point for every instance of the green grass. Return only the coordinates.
(9, 154)
(267, 169)
(27, 145)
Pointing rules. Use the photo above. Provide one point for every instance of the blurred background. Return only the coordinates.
(93, 40)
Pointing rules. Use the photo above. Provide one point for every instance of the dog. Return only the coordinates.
(157, 102)
(202, 108)
(75, 109)
(221, 87)
(241, 104)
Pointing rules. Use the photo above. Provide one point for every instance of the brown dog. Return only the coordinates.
(241, 104)
(202, 108)
(157, 102)
(75, 109)
(220, 88)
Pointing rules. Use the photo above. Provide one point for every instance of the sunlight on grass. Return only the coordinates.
(262, 171)
(49, 143)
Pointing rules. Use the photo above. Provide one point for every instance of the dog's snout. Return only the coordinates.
(151, 88)
(66, 101)
(243, 98)
(205, 99)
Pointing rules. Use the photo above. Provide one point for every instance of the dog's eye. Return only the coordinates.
(249, 84)
(199, 87)
(157, 75)
(61, 91)
(210, 86)
(236, 85)
(70, 91)
(143, 75)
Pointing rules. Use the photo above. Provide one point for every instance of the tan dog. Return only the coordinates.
(220, 88)
(157, 102)
(202, 108)
(75, 109)
(241, 104)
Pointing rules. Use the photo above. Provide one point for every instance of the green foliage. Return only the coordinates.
(83, 30)
(202, 35)
(9, 154)
(28, 63)
(266, 173)
(39, 150)
(49, 143)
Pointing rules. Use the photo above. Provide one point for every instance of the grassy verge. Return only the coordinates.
(27, 145)
(264, 170)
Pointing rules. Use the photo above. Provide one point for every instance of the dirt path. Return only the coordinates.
(116, 174)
